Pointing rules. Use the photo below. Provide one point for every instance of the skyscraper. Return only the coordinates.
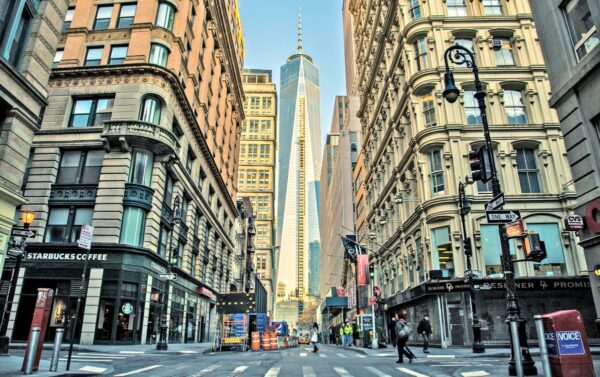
(298, 181)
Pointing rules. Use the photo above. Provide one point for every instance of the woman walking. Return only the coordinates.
(314, 337)
(403, 331)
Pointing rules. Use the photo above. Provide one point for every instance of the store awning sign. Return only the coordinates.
(205, 292)
(447, 287)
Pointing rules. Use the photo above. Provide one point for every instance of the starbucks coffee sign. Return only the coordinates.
(66, 257)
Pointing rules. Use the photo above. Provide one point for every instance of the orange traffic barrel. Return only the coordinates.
(274, 345)
(266, 341)
(285, 342)
(255, 345)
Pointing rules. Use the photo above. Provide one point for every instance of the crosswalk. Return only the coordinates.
(93, 361)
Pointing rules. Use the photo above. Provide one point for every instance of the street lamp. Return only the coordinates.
(462, 56)
(465, 208)
(162, 344)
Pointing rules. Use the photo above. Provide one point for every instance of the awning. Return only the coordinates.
(334, 303)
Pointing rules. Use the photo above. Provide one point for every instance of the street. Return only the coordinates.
(329, 361)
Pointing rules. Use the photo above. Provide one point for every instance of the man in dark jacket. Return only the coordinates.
(424, 329)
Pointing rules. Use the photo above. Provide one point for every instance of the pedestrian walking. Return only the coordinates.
(348, 332)
(424, 329)
(314, 337)
(403, 331)
(343, 334)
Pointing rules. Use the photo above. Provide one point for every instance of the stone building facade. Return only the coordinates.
(256, 171)
(139, 139)
(570, 37)
(416, 144)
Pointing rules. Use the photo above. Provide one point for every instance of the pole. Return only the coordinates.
(514, 336)
(77, 307)
(56, 352)
(35, 337)
(539, 327)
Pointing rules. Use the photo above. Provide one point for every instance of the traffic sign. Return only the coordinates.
(496, 203)
(85, 237)
(500, 217)
(22, 232)
(170, 276)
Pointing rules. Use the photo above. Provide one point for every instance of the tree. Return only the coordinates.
(309, 315)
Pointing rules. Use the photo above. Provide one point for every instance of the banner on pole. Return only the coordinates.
(362, 266)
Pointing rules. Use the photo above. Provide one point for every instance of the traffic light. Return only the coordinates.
(467, 246)
(372, 271)
(480, 165)
(535, 249)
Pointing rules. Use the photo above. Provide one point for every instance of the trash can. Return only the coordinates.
(568, 348)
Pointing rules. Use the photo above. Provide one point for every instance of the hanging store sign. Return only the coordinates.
(574, 223)
(362, 265)
(66, 256)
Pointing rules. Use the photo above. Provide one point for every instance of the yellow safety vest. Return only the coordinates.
(348, 330)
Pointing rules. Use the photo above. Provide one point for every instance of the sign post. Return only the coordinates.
(85, 242)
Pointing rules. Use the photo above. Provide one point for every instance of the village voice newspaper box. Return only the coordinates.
(567, 344)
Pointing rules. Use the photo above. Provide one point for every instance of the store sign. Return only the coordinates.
(127, 308)
(558, 284)
(340, 291)
(205, 292)
(447, 287)
(362, 266)
(158, 267)
(574, 222)
(66, 256)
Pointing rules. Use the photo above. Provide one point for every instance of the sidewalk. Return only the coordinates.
(11, 366)
(133, 348)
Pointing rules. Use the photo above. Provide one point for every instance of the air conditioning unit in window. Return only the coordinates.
(496, 44)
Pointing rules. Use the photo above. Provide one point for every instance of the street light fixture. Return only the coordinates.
(462, 56)
(162, 344)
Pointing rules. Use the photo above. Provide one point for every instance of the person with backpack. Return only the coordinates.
(314, 337)
(424, 329)
(403, 331)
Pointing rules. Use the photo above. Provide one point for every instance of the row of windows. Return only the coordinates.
(251, 151)
(159, 55)
(457, 8)
(252, 177)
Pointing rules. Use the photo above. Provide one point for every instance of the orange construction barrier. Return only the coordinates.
(274, 345)
(266, 341)
(255, 345)
(285, 342)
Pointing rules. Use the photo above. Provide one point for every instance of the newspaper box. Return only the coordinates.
(567, 344)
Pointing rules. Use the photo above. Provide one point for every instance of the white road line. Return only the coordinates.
(303, 354)
(133, 352)
(97, 354)
(88, 368)
(477, 373)
(87, 360)
(322, 355)
(308, 372)
(117, 357)
(138, 370)
(377, 372)
(187, 352)
(361, 356)
(412, 372)
(206, 370)
(342, 372)
(273, 372)
(440, 356)
(238, 370)
(342, 356)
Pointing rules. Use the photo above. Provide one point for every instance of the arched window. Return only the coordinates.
(515, 107)
(151, 108)
(165, 15)
(159, 54)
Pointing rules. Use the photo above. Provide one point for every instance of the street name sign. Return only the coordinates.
(22, 232)
(85, 237)
(170, 276)
(500, 217)
(496, 203)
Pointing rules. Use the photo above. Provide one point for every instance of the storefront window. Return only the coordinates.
(492, 251)
(190, 323)
(153, 329)
(441, 250)
(106, 311)
(126, 321)
(176, 322)
(554, 264)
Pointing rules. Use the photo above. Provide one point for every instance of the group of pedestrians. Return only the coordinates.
(404, 331)
(346, 334)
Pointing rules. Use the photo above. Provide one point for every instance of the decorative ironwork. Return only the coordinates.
(127, 133)
(459, 55)
(138, 196)
(166, 213)
(73, 193)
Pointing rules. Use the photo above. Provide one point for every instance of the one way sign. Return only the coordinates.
(499, 217)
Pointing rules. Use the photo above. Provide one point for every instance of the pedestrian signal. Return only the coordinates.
(535, 249)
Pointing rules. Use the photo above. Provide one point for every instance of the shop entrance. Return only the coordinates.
(457, 316)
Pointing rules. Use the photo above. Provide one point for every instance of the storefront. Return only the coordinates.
(448, 305)
(122, 303)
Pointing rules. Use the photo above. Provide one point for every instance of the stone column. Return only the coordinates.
(147, 304)
(90, 312)
(15, 305)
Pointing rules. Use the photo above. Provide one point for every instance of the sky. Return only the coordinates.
(270, 37)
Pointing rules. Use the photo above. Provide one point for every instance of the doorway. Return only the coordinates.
(457, 317)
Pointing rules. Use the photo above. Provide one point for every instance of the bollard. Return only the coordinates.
(35, 337)
(56, 351)
(539, 326)
(514, 332)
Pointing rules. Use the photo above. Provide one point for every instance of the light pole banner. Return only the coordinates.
(362, 264)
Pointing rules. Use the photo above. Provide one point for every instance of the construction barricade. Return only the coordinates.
(255, 343)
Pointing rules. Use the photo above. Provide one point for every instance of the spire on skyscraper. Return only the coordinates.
(299, 30)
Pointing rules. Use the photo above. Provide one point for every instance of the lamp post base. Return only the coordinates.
(529, 368)
(478, 348)
(162, 341)
(162, 346)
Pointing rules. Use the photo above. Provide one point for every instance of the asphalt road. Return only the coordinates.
(328, 362)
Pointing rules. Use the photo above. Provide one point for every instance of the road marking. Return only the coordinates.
(343, 356)
(322, 355)
(303, 354)
(238, 370)
(377, 372)
(187, 352)
(138, 370)
(88, 368)
(99, 357)
(88, 360)
(273, 372)
(440, 356)
(206, 370)
(342, 372)
(133, 352)
(308, 372)
(412, 372)
(477, 373)
(361, 356)
(384, 354)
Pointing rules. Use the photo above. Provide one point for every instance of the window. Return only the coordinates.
(151, 108)
(93, 56)
(68, 19)
(90, 112)
(515, 108)
(80, 167)
(132, 229)
(168, 191)
(472, 108)
(554, 264)
(492, 7)
(436, 175)
(165, 15)
(57, 58)
(441, 251)
(126, 15)
(456, 7)
(190, 161)
(528, 171)
(265, 151)
(193, 261)
(428, 111)
(163, 239)
(504, 55)
(264, 177)
(490, 245)
(420, 49)
(64, 223)
(581, 27)
(466, 43)
(159, 54)
(266, 103)
(117, 54)
(252, 150)
(17, 35)
(141, 169)
(103, 15)
(414, 9)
